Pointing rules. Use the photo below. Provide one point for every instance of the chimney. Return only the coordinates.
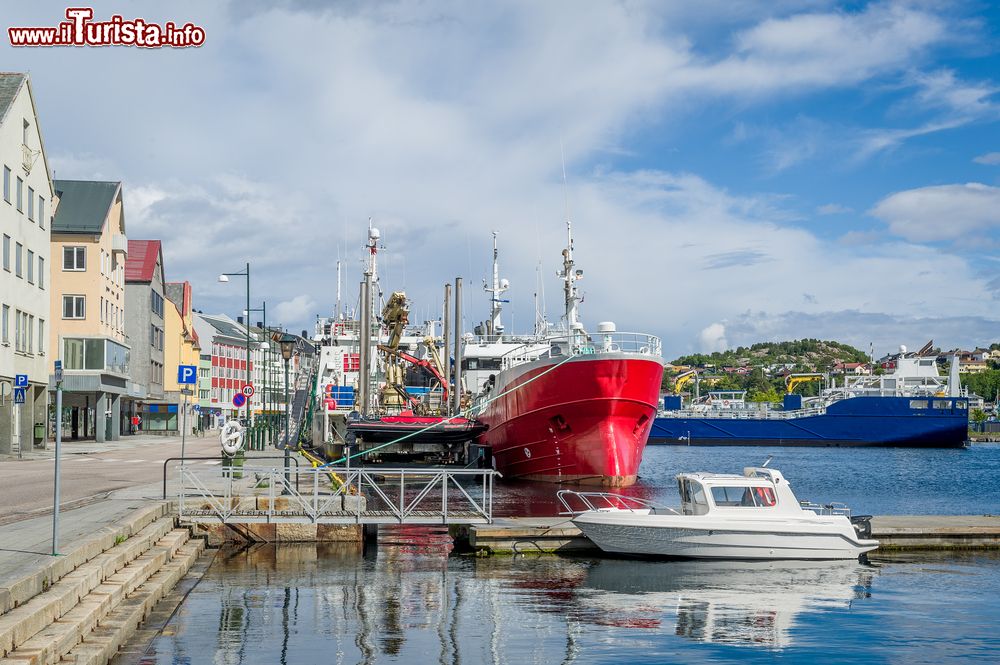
(239, 320)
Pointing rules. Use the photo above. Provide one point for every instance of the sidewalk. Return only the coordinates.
(87, 447)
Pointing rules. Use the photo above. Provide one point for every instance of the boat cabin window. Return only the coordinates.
(919, 404)
(693, 499)
(942, 404)
(744, 497)
(961, 404)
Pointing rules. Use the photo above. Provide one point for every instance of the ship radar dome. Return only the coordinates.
(373, 233)
(606, 327)
(902, 348)
(504, 283)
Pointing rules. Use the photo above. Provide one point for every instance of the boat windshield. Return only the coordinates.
(743, 497)
(693, 499)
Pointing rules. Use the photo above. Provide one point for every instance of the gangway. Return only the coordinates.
(265, 494)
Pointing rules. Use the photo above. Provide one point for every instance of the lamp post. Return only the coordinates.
(287, 343)
(224, 278)
(265, 347)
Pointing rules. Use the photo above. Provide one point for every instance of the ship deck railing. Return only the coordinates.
(583, 344)
(745, 414)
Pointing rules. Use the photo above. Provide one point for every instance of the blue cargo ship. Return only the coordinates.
(912, 407)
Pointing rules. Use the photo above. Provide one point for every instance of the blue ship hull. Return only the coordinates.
(855, 421)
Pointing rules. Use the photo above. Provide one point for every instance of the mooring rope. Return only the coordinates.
(449, 419)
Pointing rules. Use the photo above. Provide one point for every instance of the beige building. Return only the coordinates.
(25, 215)
(88, 302)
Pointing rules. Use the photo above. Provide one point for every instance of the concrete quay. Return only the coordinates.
(896, 533)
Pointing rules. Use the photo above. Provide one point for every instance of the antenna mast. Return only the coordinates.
(498, 287)
(569, 273)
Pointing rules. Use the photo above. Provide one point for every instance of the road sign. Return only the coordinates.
(239, 400)
(187, 374)
(59, 374)
(187, 391)
(247, 390)
(19, 395)
(20, 380)
(197, 408)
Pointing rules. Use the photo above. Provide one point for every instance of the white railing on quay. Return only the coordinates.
(336, 495)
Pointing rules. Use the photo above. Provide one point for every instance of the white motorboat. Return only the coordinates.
(722, 516)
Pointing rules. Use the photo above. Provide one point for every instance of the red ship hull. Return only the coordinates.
(584, 421)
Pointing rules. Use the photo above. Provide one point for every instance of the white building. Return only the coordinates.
(25, 219)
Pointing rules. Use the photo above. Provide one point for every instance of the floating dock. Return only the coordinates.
(896, 533)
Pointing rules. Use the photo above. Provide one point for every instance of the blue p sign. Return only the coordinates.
(20, 380)
(187, 374)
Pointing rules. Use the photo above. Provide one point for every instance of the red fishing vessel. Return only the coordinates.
(570, 407)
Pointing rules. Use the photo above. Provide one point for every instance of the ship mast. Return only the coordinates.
(498, 287)
(570, 275)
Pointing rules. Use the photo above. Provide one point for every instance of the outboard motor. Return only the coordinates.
(862, 525)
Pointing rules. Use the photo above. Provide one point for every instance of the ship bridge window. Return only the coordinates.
(919, 404)
(942, 404)
(961, 404)
(743, 497)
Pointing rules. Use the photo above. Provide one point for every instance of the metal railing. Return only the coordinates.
(368, 495)
(729, 413)
(583, 344)
(604, 501)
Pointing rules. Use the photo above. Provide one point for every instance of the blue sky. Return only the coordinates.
(737, 171)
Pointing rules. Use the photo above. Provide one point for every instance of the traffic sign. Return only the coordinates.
(239, 400)
(59, 374)
(20, 380)
(197, 408)
(19, 395)
(247, 390)
(187, 374)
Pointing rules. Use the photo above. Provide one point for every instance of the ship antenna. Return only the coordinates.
(767, 461)
(498, 287)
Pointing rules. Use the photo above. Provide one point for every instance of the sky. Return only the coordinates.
(735, 171)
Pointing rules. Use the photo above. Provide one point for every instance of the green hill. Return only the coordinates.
(809, 354)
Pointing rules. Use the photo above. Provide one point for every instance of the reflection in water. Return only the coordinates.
(415, 603)
(752, 603)
(328, 603)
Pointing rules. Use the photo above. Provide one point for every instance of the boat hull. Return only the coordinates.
(857, 421)
(720, 542)
(584, 420)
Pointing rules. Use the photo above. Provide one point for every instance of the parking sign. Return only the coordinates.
(20, 380)
(187, 374)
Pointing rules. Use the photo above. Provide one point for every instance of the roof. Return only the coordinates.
(83, 205)
(226, 327)
(141, 262)
(10, 84)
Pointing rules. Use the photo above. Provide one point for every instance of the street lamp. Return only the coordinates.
(287, 343)
(224, 278)
(265, 348)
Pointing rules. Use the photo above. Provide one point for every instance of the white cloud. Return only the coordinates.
(445, 126)
(299, 308)
(942, 212)
(833, 209)
(990, 159)
(713, 338)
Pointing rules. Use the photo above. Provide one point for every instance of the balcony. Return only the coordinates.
(96, 354)
(119, 243)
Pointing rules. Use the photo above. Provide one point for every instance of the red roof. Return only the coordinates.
(141, 261)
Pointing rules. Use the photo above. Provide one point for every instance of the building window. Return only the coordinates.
(17, 330)
(6, 183)
(41, 272)
(75, 258)
(31, 267)
(156, 301)
(74, 307)
(6, 253)
(17, 259)
(20, 194)
(30, 336)
(31, 204)
(41, 212)
(5, 324)
(41, 336)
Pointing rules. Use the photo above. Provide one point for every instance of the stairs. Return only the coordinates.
(89, 613)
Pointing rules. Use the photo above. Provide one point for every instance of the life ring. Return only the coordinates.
(231, 437)
(725, 402)
(331, 404)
